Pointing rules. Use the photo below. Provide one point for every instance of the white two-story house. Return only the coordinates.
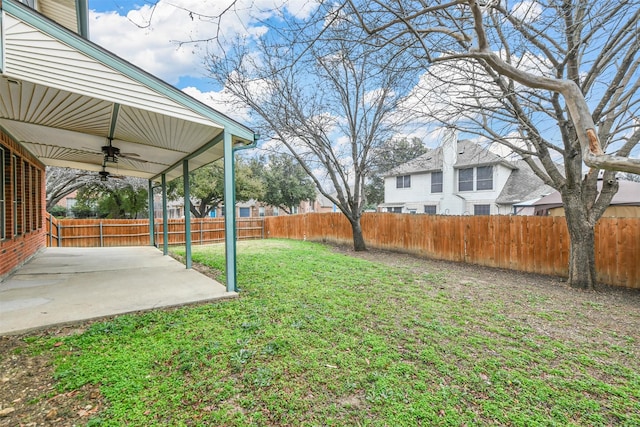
(461, 178)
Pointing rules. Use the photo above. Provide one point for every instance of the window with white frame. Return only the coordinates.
(14, 192)
(484, 178)
(436, 182)
(3, 222)
(430, 209)
(482, 209)
(403, 181)
(465, 179)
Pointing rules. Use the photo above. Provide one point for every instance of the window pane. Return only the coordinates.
(485, 178)
(403, 181)
(482, 209)
(465, 179)
(2, 193)
(436, 182)
(430, 209)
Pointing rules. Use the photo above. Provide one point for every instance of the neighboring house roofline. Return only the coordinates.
(470, 154)
(628, 195)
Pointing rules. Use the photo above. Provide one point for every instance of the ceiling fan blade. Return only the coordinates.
(91, 150)
(134, 159)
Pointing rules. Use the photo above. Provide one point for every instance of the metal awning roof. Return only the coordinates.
(63, 98)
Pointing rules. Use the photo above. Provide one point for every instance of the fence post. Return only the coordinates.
(101, 240)
(50, 230)
(201, 225)
(59, 234)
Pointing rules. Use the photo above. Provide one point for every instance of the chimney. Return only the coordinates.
(449, 148)
(449, 202)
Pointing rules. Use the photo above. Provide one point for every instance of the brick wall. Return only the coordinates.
(24, 205)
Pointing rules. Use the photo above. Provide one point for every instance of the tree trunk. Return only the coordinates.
(582, 258)
(358, 238)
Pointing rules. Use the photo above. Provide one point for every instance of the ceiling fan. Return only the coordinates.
(105, 174)
(112, 154)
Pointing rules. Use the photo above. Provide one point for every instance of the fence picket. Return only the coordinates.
(135, 232)
(524, 243)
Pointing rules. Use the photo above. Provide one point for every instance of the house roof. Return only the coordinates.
(64, 97)
(324, 201)
(628, 195)
(469, 154)
(522, 185)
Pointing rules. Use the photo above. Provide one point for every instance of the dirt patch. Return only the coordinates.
(607, 314)
(28, 396)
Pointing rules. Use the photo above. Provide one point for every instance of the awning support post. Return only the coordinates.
(152, 224)
(187, 214)
(230, 213)
(165, 222)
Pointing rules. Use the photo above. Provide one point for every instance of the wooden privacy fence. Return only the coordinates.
(524, 243)
(135, 232)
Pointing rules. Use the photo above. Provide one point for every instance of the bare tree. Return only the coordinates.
(60, 182)
(330, 102)
(555, 82)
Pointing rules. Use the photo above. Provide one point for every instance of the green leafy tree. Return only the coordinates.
(61, 182)
(111, 201)
(393, 153)
(286, 183)
(207, 187)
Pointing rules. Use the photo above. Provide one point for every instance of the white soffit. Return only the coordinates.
(63, 98)
(82, 151)
(27, 102)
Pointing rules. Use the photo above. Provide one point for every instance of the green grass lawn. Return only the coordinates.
(320, 338)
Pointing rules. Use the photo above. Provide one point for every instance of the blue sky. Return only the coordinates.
(161, 39)
(157, 39)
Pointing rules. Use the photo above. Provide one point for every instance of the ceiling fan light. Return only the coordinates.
(111, 153)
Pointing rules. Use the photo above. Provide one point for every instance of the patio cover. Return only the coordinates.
(64, 97)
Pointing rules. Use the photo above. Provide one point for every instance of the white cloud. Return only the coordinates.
(169, 39)
(527, 11)
(221, 101)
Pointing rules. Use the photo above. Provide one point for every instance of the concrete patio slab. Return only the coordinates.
(66, 285)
